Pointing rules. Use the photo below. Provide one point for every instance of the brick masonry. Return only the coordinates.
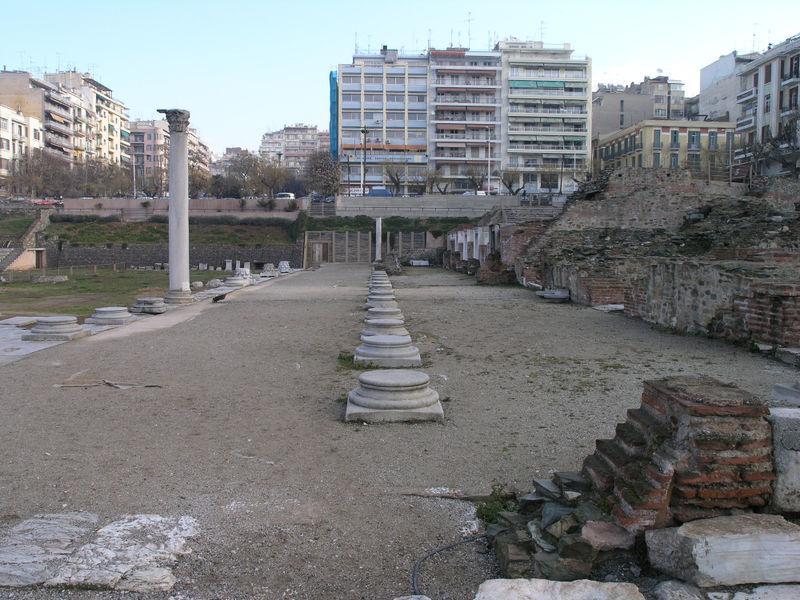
(695, 448)
(66, 255)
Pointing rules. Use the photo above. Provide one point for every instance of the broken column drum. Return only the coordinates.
(384, 327)
(235, 281)
(393, 395)
(151, 305)
(179, 289)
(378, 239)
(110, 315)
(60, 328)
(390, 351)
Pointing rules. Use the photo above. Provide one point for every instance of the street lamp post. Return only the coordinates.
(364, 132)
(489, 160)
(280, 154)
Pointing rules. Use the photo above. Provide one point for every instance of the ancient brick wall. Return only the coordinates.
(515, 239)
(770, 313)
(695, 448)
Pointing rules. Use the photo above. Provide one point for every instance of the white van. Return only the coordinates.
(284, 196)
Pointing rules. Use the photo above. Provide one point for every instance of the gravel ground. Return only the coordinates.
(246, 433)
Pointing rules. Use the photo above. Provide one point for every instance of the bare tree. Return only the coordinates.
(475, 177)
(322, 173)
(510, 180)
(395, 174)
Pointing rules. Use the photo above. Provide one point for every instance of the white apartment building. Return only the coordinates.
(768, 101)
(110, 119)
(719, 86)
(547, 119)
(464, 131)
(19, 135)
(382, 104)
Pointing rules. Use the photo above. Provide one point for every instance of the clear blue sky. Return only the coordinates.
(243, 67)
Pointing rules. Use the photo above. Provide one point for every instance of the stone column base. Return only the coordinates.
(178, 297)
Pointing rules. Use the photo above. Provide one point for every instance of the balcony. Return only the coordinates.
(745, 123)
(464, 137)
(544, 148)
(791, 78)
(462, 119)
(467, 83)
(787, 111)
(538, 93)
(58, 128)
(517, 110)
(694, 147)
(547, 130)
(451, 66)
(487, 101)
(745, 96)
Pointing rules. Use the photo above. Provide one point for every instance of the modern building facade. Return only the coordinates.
(546, 115)
(110, 119)
(464, 131)
(616, 107)
(701, 146)
(768, 105)
(719, 86)
(19, 135)
(291, 146)
(382, 104)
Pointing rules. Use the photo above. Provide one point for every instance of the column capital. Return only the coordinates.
(177, 118)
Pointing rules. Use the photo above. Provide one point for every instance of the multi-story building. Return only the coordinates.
(150, 154)
(382, 104)
(45, 102)
(768, 104)
(291, 146)
(546, 103)
(701, 146)
(719, 85)
(112, 137)
(616, 107)
(464, 131)
(199, 152)
(19, 135)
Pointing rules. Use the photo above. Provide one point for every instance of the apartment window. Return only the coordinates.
(767, 103)
(351, 97)
(3, 124)
(394, 116)
(728, 140)
(373, 79)
(416, 135)
(621, 105)
(416, 116)
(149, 136)
(656, 160)
(673, 161)
(639, 160)
(4, 144)
(373, 98)
(351, 79)
(656, 138)
(417, 81)
(694, 140)
(755, 79)
(675, 138)
(395, 98)
(396, 80)
(712, 140)
(660, 99)
(416, 97)
(621, 120)
(765, 133)
(767, 74)
(350, 116)
(36, 134)
(549, 181)
(660, 112)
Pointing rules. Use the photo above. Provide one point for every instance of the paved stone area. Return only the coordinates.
(246, 433)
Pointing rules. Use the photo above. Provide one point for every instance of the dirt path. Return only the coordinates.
(246, 434)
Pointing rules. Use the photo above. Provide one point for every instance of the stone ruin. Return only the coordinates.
(683, 488)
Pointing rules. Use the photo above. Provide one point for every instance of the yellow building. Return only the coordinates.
(702, 146)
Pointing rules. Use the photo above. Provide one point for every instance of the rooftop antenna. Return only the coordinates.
(754, 36)
(451, 37)
(355, 47)
(58, 61)
(541, 31)
(429, 40)
(469, 29)
(369, 43)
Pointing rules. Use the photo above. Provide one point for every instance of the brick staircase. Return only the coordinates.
(8, 256)
(695, 448)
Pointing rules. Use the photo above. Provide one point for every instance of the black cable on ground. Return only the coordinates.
(418, 564)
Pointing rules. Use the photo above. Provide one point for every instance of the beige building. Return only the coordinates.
(44, 102)
(110, 119)
(19, 135)
(701, 146)
(291, 146)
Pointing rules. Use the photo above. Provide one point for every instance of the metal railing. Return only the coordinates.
(545, 92)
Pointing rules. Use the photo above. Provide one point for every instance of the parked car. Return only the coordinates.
(284, 196)
(379, 193)
(472, 193)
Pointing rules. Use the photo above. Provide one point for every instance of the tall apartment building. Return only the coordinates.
(199, 152)
(19, 134)
(44, 102)
(382, 103)
(546, 114)
(768, 101)
(719, 86)
(464, 131)
(111, 133)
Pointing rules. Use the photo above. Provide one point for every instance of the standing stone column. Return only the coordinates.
(179, 289)
(378, 236)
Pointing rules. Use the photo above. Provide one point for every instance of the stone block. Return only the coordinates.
(769, 592)
(783, 394)
(677, 590)
(110, 315)
(384, 327)
(732, 550)
(603, 535)
(791, 356)
(786, 455)
(393, 395)
(552, 566)
(512, 557)
(542, 589)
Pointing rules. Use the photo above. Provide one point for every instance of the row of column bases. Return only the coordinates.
(394, 391)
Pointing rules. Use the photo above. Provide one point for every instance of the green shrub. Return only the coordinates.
(499, 500)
